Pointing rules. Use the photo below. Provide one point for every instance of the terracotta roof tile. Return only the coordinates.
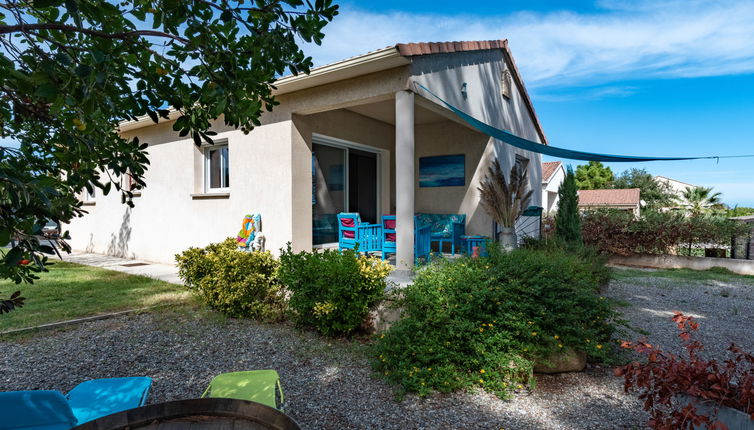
(628, 196)
(548, 169)
(424, 48)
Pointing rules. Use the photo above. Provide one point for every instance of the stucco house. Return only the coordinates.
(677, 188)
(553, 174)
(352, 136)
(627, 199)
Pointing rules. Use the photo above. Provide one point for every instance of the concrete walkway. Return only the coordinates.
(169, 272)
(163, 272)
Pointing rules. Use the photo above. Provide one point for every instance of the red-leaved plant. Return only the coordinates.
(665, 376)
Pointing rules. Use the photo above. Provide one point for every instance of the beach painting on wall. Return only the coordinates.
(442, 171)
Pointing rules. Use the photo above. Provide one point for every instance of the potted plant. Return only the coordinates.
(505, 200)
(690, 392)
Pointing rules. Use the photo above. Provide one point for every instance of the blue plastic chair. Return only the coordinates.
(354, 234)
(37, 410)
(100, 397)
(422, 238)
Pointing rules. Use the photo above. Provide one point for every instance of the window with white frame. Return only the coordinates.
(89, 197)
(216, 168)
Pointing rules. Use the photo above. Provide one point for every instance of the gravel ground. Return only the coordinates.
(329, 385)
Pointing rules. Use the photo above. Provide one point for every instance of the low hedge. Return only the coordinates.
(620, 233)
(236, 283)
(483, 322)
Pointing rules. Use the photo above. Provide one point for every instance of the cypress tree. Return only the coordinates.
(567, 221)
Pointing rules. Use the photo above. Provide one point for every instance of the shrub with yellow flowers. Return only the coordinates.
(482, 323)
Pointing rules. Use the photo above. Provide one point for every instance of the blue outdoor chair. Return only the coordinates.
(50, 410)
(37, 410)
(99, 397)
(354, 234)
(422, 238)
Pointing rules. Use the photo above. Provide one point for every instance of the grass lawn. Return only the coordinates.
(70, 291)
(714, 274)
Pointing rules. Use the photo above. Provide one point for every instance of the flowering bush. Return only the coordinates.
(236, 283)
(665, 376)
(483, 322)
(332, 291)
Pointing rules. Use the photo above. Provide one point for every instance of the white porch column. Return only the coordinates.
(404, 179)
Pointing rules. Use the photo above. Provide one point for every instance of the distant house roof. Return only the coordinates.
(549, 169)
(618, 197)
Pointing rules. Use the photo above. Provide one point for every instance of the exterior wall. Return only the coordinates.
(742, 267)
(270, 174)
(167, 219)
(481, 71)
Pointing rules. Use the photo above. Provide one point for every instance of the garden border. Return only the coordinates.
(741, 267)
(66, 323)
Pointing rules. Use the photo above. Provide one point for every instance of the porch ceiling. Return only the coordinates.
(385, 111)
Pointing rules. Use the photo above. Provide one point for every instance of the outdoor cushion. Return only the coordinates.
(348, 222)
(99, 397)
(389, 224)
(441, 225)
(35, 410)
(253, 385)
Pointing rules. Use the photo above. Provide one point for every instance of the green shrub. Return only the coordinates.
(236, 283)
(483, 323)
(594, 261)
(620, 233)
(332, 291)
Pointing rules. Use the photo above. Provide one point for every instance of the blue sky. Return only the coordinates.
(663, 77)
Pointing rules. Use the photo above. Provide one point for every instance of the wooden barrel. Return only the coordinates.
(196, 414)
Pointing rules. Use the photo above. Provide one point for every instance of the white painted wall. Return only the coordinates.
(444, 75)
(550, 191)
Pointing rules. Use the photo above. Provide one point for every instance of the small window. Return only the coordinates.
(216, 168)
(522, 162)
(89, 197)
(129, 184)
(506, 84)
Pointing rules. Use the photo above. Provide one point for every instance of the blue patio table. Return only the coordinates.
(470, 241)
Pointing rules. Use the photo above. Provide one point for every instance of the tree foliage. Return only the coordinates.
(72, 70)
(655, 194)
(567, 219)
(701, 200)
(594, 176)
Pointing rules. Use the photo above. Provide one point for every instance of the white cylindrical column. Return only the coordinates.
(404, 179)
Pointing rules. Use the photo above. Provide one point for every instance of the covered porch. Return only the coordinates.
(365, 158)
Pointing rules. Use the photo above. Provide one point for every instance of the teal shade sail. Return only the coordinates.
(552, 151)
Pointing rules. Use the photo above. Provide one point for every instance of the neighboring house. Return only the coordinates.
(349, 137)
(677, 188)
(626, 199)
(553, 174)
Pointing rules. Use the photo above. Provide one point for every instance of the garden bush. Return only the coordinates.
(236, 283)
(620, 233)
(332, 291)
(484, 322)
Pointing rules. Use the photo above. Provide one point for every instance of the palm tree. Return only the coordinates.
(700, 199)
(505, 200)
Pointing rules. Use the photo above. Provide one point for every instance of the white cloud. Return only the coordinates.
(646, 39)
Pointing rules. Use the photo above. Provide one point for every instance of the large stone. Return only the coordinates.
(566, 361)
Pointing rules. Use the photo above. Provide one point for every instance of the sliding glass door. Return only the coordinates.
(344, 179)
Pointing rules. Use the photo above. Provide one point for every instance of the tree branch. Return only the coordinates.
(24, 28)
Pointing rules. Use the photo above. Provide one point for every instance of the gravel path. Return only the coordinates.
(329, 385)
